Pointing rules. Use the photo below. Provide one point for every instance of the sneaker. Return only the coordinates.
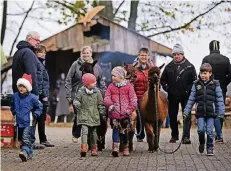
(186, 140)
(139, 140)
(219, 140)
(201, 148)
(23, 156)
(74, 140)
(210, 152)
(47, 144)
(173, 139)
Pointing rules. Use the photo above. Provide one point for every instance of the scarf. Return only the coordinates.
(94, 90)
(121, 84)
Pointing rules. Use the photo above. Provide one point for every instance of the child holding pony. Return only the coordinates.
(121, 101)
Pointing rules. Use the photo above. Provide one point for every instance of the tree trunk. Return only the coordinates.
(4, 16)
(108, 10)
(133, 15)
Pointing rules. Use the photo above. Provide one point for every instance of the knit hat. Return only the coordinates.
(206, 67)
(26, 80)
(119, 72)
(88, 79)
(177, 49)
(214, 45)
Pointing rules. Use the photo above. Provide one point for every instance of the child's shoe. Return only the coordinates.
(115, 151)
(74, 140)
(201, 148)
(94, 150)
(219, 140)
(83, 150)
(126, 151)
(23, 156)
(210, 152)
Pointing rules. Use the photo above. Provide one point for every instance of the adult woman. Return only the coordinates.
(74, 82)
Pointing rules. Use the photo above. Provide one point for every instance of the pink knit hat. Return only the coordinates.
(119, 72)
(88, 79)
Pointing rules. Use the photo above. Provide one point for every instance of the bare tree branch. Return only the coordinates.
(10, 14)
(191, 21)
(4, 17)
(116, 11)
(20, 28)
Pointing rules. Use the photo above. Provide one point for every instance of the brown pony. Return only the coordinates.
(154, 105)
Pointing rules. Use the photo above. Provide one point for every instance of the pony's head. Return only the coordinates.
(131, 72)
(154, 75)
(87, 67)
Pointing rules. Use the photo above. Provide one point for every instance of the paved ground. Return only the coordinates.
(66, 156)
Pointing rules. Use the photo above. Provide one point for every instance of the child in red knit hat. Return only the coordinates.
(23, 105)
(89, 104)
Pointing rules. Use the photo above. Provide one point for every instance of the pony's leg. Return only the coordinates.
(130, 136)
(150, 136)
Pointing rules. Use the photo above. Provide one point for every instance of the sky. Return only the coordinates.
(195, 47)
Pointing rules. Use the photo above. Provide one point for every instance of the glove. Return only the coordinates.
(221, 116)
(185, 115)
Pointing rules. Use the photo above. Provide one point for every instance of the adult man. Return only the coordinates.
(177, 79)
(25, 61)
(221, 71)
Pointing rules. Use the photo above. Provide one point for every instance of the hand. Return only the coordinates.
(221, 116)
(71, 109)
(185, 115)
(45, 99)
(112, 107)
(48, 119)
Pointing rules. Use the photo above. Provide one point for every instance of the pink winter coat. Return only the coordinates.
(123, 98)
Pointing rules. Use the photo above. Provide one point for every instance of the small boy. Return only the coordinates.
(43, 87)
(207, 94)
(89, 104)
(26, 107)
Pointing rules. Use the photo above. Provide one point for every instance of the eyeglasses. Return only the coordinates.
(36, 40)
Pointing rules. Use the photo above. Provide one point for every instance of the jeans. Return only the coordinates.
(205, 125)
(218, 129)
(27, 136)
(76, 129)
(92, 134)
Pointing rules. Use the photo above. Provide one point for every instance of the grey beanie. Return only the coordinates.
(177, 49)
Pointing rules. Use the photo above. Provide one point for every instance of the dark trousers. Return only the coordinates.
(173, 108)
(76, 129)
(138, 126)
(41, 125)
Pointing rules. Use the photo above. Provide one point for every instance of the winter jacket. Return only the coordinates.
(43, 79)
(221, 68)
(208, 98)
(25, 108)
(74, 79)
(177, 79)
(25, 61)
(89, 107)
(123, 98)
(141, 82)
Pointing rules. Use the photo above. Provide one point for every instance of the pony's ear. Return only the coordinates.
(79, 63)
(162, 66)
(93, 64)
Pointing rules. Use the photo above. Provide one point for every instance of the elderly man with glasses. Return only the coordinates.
(177, 79)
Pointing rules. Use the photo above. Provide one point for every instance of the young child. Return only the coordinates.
(121, 101)
(25, 106)
(207, 95)
(43, 88)
(89, 104)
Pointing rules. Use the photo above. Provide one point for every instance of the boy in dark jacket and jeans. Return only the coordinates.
(207, 94)
(26, 107)
(43, 90)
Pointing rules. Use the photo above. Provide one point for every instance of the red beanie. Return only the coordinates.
(88, 79)
(26, 80)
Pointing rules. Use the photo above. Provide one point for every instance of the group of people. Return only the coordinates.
(93, 102)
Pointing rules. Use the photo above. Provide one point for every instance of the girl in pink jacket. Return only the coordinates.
(121, 101)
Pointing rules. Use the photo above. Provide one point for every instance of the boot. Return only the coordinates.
(115, 151)
(126, 150)
(94, 150)
(83, 150)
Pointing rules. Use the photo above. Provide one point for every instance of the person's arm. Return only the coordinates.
(163, 80)
(100, 105)
(220, 105)
(37, 107)
(191, 100)
(45, 85)
(228, 73)
(78, 99)
(12, 106)
(107, 97)
(68, 82)
(31, 64)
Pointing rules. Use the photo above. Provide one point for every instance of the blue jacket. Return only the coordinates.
(25, 108)
(195, 97)
(43, 79)
(25, 61)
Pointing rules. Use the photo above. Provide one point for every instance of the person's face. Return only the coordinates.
(22, 89)
(41, 54)
(34, 41)
(91, 86)
(86, 55)
(205, 75)
(143, 57)
(116, 79)
(178, 57)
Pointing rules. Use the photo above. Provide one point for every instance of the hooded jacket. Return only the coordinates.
(25, 61)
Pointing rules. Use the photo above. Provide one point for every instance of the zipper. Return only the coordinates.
(119, 100)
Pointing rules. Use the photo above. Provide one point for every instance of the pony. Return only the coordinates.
(102, 129)
(153, 108)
